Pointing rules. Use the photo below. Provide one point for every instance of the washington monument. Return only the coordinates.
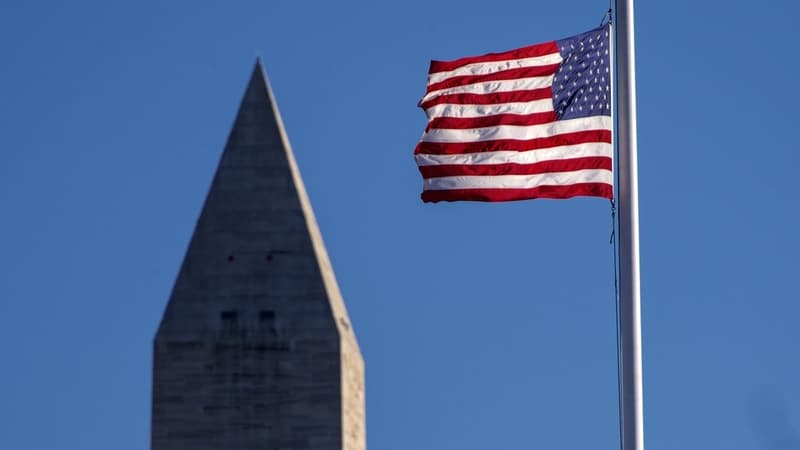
(255, 349)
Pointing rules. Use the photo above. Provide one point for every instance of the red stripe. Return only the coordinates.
(463, 123)
(504, 195)
(542, 49)
(490, 99)
(511, 74)
(450, 148)
(559, 165)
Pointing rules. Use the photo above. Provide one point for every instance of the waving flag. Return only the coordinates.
(534, 122)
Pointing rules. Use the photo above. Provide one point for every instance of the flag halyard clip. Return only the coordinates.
(607, 17)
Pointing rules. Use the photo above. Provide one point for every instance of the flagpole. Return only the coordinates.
(628, 201)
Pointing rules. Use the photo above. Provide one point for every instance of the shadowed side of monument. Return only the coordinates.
(255, 349)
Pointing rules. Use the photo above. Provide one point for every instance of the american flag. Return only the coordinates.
(534, 122)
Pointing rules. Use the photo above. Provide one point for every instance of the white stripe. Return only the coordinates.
(486, 68)
(519, 181)
(459, 110)
(518, 132)
(488, 87)
(513, 157)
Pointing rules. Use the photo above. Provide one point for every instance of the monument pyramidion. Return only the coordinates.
(255, 349)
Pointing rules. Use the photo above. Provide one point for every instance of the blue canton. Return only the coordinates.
(582, 85)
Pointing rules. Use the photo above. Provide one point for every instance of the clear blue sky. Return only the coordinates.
(483, 326)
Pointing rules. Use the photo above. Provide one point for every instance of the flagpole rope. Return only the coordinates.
(609, 16)
(614, 264)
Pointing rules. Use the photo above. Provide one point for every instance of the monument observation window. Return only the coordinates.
(230, 320)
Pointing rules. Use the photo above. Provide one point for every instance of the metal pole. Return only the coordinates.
(628, 200)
